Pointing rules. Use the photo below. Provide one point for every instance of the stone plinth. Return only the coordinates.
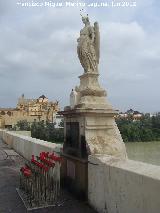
(88, 132)
(89, 85)
(90, 94)
(99, 131)
(95, 117)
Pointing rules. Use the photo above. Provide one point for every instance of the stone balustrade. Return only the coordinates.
(123, 186)
(114, 185)
(27, 146)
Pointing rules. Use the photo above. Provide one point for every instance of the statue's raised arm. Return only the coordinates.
(88, 48)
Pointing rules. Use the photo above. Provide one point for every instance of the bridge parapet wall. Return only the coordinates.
(114, 185)
(27, 146)
(127, 186)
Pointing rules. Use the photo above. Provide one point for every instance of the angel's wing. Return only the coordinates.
(97, 41)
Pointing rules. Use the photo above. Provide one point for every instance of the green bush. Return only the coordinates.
(47, 131)
(22, 125)
(145, 129)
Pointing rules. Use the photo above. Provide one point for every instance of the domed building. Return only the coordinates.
(30, 110)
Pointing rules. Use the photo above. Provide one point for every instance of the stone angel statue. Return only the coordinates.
(88, 47)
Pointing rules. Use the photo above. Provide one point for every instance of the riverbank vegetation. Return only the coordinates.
(147, 128)
(47, 131)
(42, 130)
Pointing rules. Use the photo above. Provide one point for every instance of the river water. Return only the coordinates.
(148, 152)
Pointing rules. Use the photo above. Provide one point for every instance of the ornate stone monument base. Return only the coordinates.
(90, 94)
(96, 118)
(89, 129)
(99, 132)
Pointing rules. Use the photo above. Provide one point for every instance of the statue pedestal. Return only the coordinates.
(92, 131)
(89, 129)
(90, 94)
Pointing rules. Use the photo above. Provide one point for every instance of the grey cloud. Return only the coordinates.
(130, 66)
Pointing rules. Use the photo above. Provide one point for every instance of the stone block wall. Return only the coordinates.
(116, 186)
(27, 146)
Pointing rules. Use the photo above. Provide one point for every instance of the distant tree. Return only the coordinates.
(50, 128)
(22, 125)
(41, 129)
(34, 132)
(147, 128)
(61, 124)
(47, 131)
(156, 125)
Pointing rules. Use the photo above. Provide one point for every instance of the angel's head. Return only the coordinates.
(85, 19)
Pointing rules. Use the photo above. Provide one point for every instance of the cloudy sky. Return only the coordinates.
(38, 52)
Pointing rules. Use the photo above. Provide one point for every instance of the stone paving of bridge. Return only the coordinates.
(10, 202)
